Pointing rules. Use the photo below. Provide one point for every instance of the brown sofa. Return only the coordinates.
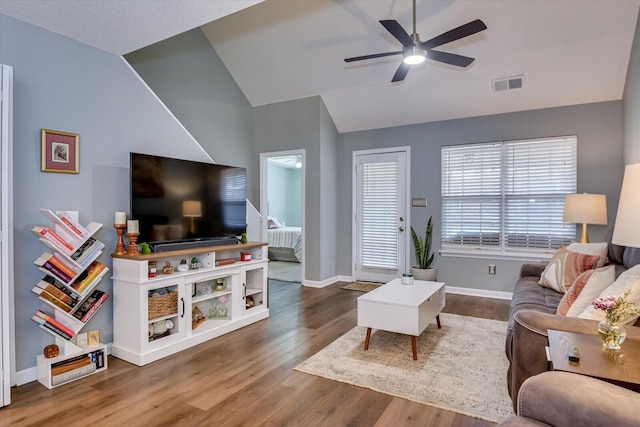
(533, 311)
(561, 399)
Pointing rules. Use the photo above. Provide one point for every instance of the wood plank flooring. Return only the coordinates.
(244, 378)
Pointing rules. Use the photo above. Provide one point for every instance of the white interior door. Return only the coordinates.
(6, 225)
(380, 214)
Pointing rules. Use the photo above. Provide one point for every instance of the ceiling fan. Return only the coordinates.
(415, 52)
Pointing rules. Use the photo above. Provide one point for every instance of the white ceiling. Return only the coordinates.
(569, 51)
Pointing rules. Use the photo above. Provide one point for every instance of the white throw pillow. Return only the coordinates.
(629, 280)
(585, 289)
(600, 249)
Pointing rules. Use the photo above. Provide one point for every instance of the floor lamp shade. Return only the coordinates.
(627, 230)
(585, 209)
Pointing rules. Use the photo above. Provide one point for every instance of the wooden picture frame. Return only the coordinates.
(60, 151)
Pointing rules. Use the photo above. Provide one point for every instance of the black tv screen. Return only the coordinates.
(180, 200)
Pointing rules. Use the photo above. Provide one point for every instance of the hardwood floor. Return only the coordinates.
(244, 378)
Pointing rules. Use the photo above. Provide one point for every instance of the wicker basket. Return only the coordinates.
(163, 305)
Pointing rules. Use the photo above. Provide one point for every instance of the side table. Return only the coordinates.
(621, 367)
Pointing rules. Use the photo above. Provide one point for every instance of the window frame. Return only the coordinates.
(502, 250)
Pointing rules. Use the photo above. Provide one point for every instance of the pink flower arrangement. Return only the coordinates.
(223, 298)
(617, 309)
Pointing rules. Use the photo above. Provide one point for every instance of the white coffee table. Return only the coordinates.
(404, 309)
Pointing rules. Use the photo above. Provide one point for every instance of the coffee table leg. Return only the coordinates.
(414, 347)
(366, 341)
(438, 320)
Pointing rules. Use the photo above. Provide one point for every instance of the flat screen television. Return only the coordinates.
(184, 200)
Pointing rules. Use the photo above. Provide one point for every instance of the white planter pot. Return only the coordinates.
(428, 274)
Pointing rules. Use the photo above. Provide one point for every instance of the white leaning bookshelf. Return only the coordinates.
(140, 330)
(70, 300)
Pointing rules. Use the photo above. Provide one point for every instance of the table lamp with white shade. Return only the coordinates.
(586, 209)
(627, 228)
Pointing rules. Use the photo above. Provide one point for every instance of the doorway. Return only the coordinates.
(381, 214)
(282, 178)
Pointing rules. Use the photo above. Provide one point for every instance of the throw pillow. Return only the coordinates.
(564, 268)
(599, 249)
(629, 280)
(585, 289)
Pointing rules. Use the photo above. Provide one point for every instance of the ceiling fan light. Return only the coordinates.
(414, 56)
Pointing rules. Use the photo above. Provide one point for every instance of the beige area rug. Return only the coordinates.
(361, 286)
(461, 367)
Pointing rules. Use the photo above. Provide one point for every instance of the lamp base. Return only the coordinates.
(585, 236)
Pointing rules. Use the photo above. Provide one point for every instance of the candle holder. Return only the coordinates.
(120, 248)
(133, 238)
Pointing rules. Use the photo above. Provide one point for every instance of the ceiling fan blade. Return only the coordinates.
(450, 58)
(375, 55)
(398, 32)
(401, 72)
(455, 34)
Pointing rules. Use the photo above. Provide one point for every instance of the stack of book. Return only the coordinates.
(70, 369)
(56, 293)
(88, 277)
(49, 322)
(90, 305)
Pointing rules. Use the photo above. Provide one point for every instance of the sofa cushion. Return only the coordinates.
(565, 267)
(628, 281)
(616, 252)
(585, 289)
(631, 257)
(599, 249)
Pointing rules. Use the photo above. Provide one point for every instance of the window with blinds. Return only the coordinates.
(379, 215)
(508, 196)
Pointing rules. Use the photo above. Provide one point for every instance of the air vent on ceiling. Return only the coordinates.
(508, 83)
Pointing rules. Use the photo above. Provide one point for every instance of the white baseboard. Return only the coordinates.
(31, 374)
(322, 284)
(485, 293)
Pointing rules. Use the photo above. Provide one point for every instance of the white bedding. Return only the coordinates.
(286, 237)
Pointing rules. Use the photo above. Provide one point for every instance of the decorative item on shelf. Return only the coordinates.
(93, 338)
(51, 350)
(159, 327)
(212, 310)
(133, 232)
(245, 256)
(168, 268)
(146, 249)
(424, 255)
(195, 264)
(249, 302)
(222, 311)
(153, 268)
(617, 311)
(183, 265)
(120, 247)
(407, 279)
(220, 284)
(243, 238)
(196, 317)
(204, 288)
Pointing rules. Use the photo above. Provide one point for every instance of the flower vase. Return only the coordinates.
(612, 335)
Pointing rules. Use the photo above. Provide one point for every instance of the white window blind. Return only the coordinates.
(508, 196)
(379, 215)
(233, 187)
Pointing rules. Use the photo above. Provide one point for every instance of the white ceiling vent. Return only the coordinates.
(508, 83)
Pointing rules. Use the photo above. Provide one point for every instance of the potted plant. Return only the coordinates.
(424, 255)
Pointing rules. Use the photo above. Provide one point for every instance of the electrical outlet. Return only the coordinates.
(492, 269)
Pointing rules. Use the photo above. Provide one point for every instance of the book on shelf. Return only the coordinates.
(70, 364)
(53, 321)
(50, 284)
(91, 255)
(87, 277)
(54, 238)
(52, 299)
(46, 261)
(50, 327)
(86, 249)
(73, 374)
(73, 224)
(225, 261)
(98, 358)
(90, 305)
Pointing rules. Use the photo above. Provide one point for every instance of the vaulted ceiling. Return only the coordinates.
(567, 51)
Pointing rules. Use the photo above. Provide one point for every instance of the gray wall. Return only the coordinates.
(64, 85)
(599, 130)
(187, 74)
(294, 125)
(631, 105)
(285, 194)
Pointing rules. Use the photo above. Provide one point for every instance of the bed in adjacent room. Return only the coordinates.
(285, 243)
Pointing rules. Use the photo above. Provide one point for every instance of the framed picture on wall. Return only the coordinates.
(60, 151)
